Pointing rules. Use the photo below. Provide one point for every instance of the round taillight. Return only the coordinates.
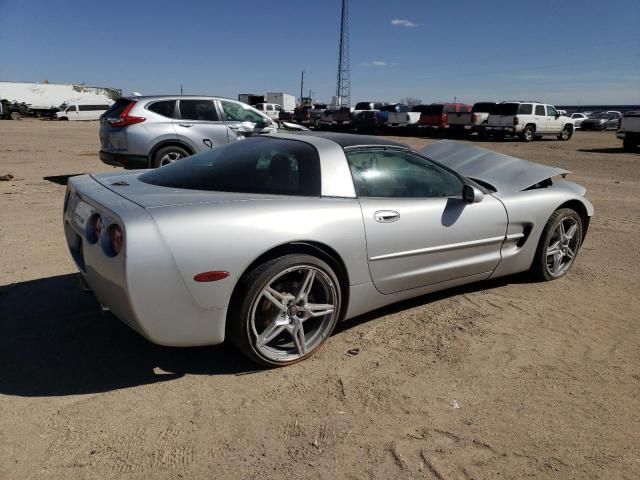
(94, 228)
(116, 238)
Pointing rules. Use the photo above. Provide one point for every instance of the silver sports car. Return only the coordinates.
(272, 240)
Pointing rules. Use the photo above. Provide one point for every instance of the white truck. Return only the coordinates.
(473, 121)
(404, 119)
(629, 131)
(271, 110)
(44, 99)
(528, 120)
(286, 101)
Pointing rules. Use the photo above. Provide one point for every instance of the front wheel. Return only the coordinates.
(559, 244)
(286, 309)
(566, 133)
(15, 116)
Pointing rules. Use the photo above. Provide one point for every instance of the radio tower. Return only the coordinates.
(343, 89)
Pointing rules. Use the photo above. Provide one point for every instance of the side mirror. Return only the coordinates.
(471, 194)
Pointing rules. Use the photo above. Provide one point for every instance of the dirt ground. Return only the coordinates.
(503, 379)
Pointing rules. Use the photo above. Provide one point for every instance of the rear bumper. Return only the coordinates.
(500, 128)
(124, 160)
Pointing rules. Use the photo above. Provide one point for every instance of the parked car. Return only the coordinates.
(143, 132)
(382, 117)
(528, 120)
(82, 111)
(364, 116)
(202, 249)
(472, 121)
(12, 110)
(271, 110)
(602, 121)
(309, 115)
(629, 131)
(578, 118)
(435, 116)
(335, 118)
(405, 119)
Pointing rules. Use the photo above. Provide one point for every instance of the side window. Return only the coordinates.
(551, 112)
(540, 110)
(278, 108)
(165, 108)
(198, 110)
(270, 108)
(236, 112)
(71, 109)
(400, 174)
(525, 109)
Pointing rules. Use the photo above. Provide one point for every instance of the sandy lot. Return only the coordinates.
(546, 376)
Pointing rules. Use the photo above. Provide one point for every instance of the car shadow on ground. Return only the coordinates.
(61, 179)
(602, 150)
(55, 341)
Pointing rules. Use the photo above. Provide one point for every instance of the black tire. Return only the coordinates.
(166, 155)
(528, 134)
(248, 296)
(15, 116)
(63, 119)
(566, 133)
(499, 136)
(540, 269)
(629, 145)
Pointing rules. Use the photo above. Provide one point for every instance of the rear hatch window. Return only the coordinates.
(507, 109)
(117, 108)
(485, 107)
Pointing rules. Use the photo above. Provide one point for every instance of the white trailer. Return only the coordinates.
(288, 102)
(47, 97)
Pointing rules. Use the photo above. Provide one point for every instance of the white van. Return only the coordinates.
(82, 111)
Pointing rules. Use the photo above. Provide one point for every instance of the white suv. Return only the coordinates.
(528, 120)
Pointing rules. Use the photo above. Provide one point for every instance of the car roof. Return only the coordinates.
(169, 97)
(346, 140)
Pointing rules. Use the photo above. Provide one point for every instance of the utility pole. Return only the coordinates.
(301, 86)
(180, 89)
(343, 87)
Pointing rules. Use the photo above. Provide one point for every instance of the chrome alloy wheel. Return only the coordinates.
(170, 157)
(563, 246)
(293, 313)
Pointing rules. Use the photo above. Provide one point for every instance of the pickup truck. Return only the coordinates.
(309, 115)
(473, 121)
(629, 131)
(12, 110)
(364, 116)
(405, 119)
(435, 116)
(335, 118)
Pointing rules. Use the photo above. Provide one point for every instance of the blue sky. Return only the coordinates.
(573, 51)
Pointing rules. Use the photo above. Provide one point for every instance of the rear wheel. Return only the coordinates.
(15, 116)
(286, 309)
(167, 155)
(566, 133)
(559, 244)
(527, 134)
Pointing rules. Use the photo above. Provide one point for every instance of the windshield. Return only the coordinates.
(507, 108)
(598, 115)
(486, 107)
(255, 165)
(363, 106)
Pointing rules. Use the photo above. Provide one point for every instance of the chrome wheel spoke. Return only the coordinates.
(553, 249)
(305, 289)
(271, 332)
(319, 309)
(561, 232)
(297, 333)
(570, 254)
(571, 232)
(275, 297)
(557, 262)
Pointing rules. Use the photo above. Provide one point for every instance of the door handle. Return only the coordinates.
(186, 125)
(386, 216)
(234, 127)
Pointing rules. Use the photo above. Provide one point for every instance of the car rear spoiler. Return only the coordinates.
(503, 172)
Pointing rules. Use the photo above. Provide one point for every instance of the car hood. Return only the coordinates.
(127, 185)
(503, 172)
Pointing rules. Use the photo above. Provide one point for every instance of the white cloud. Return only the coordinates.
(403, 23)
(374, 63)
